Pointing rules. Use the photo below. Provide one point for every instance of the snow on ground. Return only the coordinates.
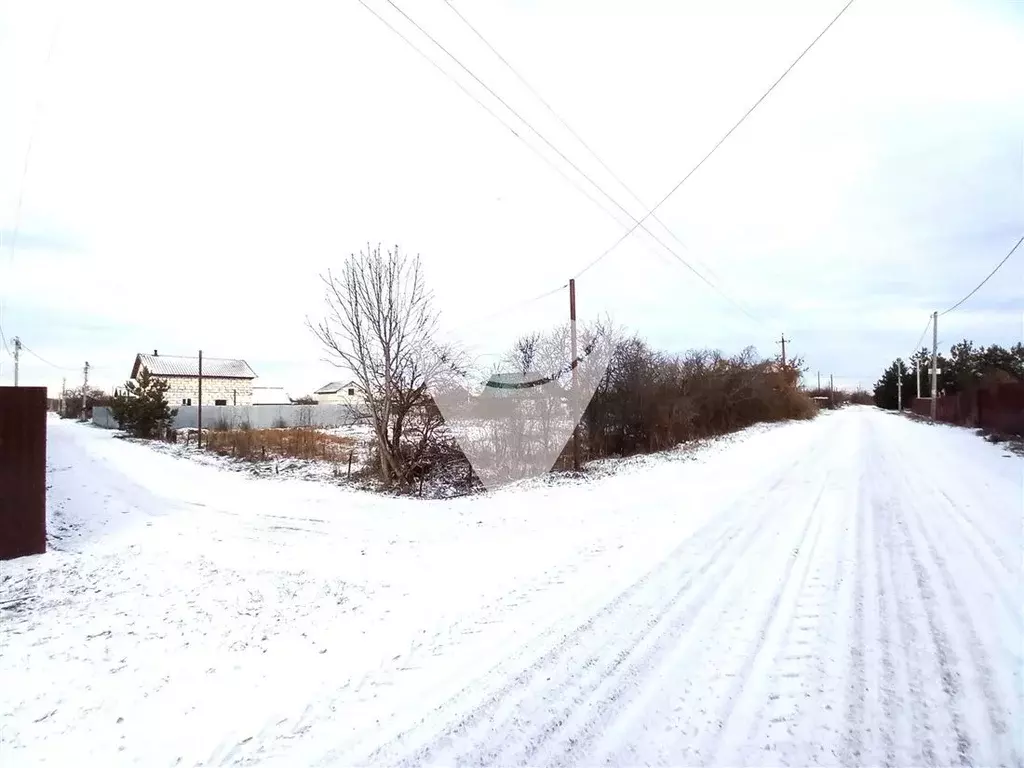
(840, 591)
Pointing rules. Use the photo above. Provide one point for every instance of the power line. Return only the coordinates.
(491, 112)
(720, 141)
(1005, 259)
(917, 347)
(637, 222)
(44, 360)
(570, 129)
(24, 170)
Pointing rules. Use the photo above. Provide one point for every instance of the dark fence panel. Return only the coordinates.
(22, 471)
(998, 408)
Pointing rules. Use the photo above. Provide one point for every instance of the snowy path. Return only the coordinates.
(859, 605)
(841, 592)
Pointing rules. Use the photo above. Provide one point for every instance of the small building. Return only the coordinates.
(339, 393)
(225, 381)
(270, 396)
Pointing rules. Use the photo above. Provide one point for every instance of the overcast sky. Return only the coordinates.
(195, 166)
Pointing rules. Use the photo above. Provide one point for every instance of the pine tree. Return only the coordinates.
(142, 409)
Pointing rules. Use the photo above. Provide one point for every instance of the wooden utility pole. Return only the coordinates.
(199, 412)
(783, 343)
(575, 392)
(935, 364)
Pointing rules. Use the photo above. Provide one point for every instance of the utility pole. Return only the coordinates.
(63, 393)
(17, 355)
(783, 343)
(919, 377)
(575, 391)
(200, 406)
(935, 364)
(831, 390)
(85, 387)
(899, 386)
(819, 381)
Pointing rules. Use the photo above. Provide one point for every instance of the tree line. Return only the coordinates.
(964, 367)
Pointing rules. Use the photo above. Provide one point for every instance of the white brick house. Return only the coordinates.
(225, 382)
(339, 393)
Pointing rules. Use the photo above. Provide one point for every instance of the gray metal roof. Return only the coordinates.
(515, 380)
(333, 387)
(175, 365)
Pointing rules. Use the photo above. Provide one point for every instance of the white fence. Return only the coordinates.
(255, 416)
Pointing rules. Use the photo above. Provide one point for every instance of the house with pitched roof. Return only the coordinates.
(339, 393)
(225, 381)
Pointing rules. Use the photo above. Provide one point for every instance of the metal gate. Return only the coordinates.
(22, 471)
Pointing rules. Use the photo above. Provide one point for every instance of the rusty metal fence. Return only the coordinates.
(22, 471)
(999, 408)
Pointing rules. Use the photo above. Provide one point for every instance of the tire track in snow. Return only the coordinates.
(944, 651)
(477, 726)
(720, 533)
(797, 720)
(593, 666)
(887, 683)
(1013, 607)
(993, 703)
(920, 720)
(972, 525)
(856, 679)
(976, 651)
(621, 691)
(738, 696)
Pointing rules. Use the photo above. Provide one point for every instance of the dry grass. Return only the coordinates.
(296, 443)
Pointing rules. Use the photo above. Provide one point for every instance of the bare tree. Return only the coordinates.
(381, 325)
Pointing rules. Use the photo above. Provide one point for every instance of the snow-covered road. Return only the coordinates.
(845, 591)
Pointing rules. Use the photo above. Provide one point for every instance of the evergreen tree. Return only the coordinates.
(142, 409)
(887, 391)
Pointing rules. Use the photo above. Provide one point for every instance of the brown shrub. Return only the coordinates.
(298, 443)
(651, 402)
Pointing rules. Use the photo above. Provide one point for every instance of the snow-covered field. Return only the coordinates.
(845, 591)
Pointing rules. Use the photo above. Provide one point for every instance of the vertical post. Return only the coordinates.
(831, 391)
(783, 342)
(199, 412)
(85, 388)
(63, 393)
(899, 386)
(919, 377)
(935, 364)
(819, 381)
(575, 393)
(17, 356)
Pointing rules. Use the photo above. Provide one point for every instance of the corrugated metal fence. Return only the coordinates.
(22, 471)
(255, 416)
(999, 408)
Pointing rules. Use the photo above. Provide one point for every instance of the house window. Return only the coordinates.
(186, 401)
(220, 402)
(351, 392)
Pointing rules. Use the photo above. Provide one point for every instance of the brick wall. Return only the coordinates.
(234, 391)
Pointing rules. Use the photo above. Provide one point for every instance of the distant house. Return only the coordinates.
(338, 393)
(270, 396)
(225, 381)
